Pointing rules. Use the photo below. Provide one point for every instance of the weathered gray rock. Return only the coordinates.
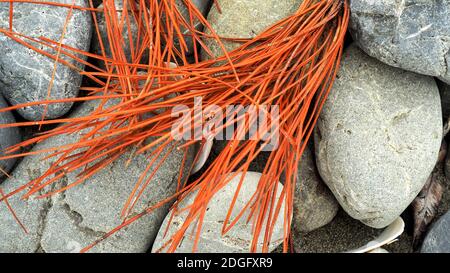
(245, 19)
(410, 34)
(314, 204)
(378, 137)
(438, 238)
(126, 31)
(238, 239)
(25, 74)
(70, 221)
(8, 137)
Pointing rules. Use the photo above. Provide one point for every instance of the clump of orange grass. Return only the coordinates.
(292, 65)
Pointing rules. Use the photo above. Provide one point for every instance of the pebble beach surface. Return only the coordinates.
(375, 146)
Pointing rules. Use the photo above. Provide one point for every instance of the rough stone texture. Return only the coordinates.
(344, 234)
(444, 90)
(8, 137)
(314, 204)
(438, 238)
(410, 34)
(25, 74)
(245, 19)
(378, 137)
(133, 29)
(238, 239)
(70, 221)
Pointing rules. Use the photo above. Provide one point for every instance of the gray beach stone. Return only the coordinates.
(244, 19)
(238, 239)
(314, 204)
(8, 137)
(438, 238)
(378, 137)
(76, 218)
(25, 74)
(410, 34)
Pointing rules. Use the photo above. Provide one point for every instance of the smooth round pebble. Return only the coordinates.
(378, 137)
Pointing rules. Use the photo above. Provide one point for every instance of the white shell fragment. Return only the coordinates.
(379, 250)
(388, 236)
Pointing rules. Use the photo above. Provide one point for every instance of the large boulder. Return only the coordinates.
(378, 137)
(26, 75)
(410, 34)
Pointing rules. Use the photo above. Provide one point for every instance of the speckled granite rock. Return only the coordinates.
(8, 137)
(409, 34)
(378, 137)
(438, 237)
(245, 19)
(238, 239)
(25, 75)
(70, 221)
